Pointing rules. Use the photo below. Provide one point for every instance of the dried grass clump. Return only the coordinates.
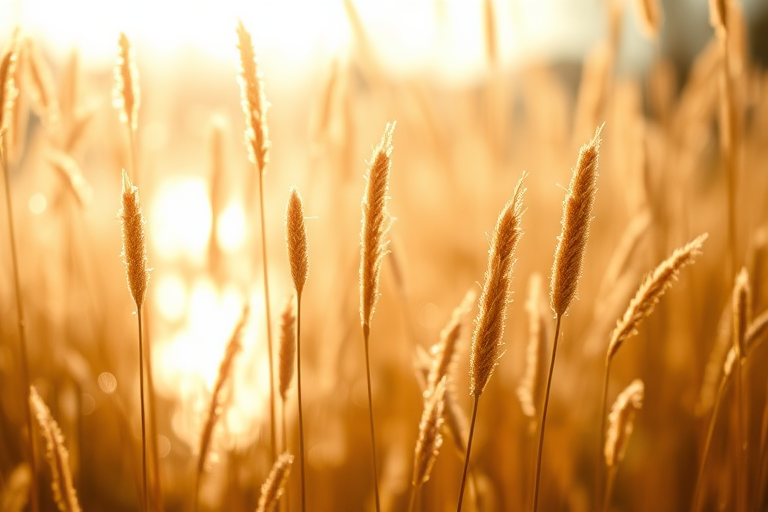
(375, 225)
(287, 347)
(430, 439)
(622, 420)
(57, 455)
(125, 95)
(651, 290)
(488, 336)
(273, 487)
(134, 243)
(254, 101)
(296, 240)
(577, 214)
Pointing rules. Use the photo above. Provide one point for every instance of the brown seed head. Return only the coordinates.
(444, 352)
(253, 101)
(125, 95)
(741, 312)
(375, 225)
(273, 487)
(487, 338)
(134, 244)
(57, 455)
(296, 240)
(577, 214)
(622, 419)
(216, 407)
(430, 439)
(653, 288)
(287, 347)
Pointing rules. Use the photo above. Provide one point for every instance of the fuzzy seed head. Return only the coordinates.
(296, 240)
(430, 439)
(488, 335)
(287, 347)
(134, 243)
(444, 352)
(253, 101)
(273, 487)
(622, 419)
(8, 88)
(126, 95)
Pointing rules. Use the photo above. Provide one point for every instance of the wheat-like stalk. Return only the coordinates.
(526, 391)
(649, 13)
(621, 420)
(741, 304)
(577, 215)
(254, 101)
(72, 176)
(126, 96)
(8, 90)
(41, 83)
(134, 242)
(651, 290)
(57, 455)
(216, 406)
(287, 352)
(487, 338)
(273, 487)
(444, 352)
(430, 439)
(296, 240)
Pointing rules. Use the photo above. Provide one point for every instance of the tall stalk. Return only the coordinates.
(145, 500)
(469, 450)
(301, 414)
(366, 333)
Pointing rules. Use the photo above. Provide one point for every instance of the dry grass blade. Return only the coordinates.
(526, 392)
(215, 409)
(68, 170)
(287, 347)
(296, 240)
(487, 339)
(444, 352)
(57, 455)
(275, 483)
(741, 312)
(456, 421)
(15, 495)
(651, 290)
(125, 95)
(430, 439)
(134, 243)
(622, 419)
(375, 225)
(577, 214)
(41, 84)
(253, 101)
(649, 13)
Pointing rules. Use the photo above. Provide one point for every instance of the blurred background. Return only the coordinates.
(481, 90)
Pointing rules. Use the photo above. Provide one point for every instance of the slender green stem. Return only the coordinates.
(601, 443)
(697, 491)
(469, 451)
(412, 500)
(301, 414)
(144, 499)
(609, 488)
(366, 334)
(35, 507)
(268, 319)
(543, 424)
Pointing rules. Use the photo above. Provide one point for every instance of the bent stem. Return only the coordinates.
(543, 424)
(366, 334)
(601, 444)
(144, 501)
(707, 443)
(301, 415)
(269, 320)
(469, 450)
(35, 507)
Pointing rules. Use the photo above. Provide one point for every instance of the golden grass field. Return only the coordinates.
(444, 236)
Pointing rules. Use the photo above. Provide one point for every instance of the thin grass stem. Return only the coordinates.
(301, 414)
(144, 499)
(601, 443)
(469, 451)
(366, 334)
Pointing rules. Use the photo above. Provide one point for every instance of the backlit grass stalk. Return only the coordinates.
(568, 265)
(137, 273)
(488, 336)
(374, 247)
(8, 93)
(275, 484)
(430, 440)
(257, 142)
(641, 306)
(741, 311)
(216, 407)
(298, 257)
(126, 96)
(287, 357)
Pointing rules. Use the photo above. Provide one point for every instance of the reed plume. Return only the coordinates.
(217, 404)
(526, 391)
(568, 265)
(487, 338)
(577, 215)
(430, 439)
(444, 352)
(374, 246)
(287, 347)
(649, 14)
(126, 95)
(296, 241)
(257, 142)
(135, 259)
(622, 419)
(273, 487)
(57, 455)
(8, 95)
